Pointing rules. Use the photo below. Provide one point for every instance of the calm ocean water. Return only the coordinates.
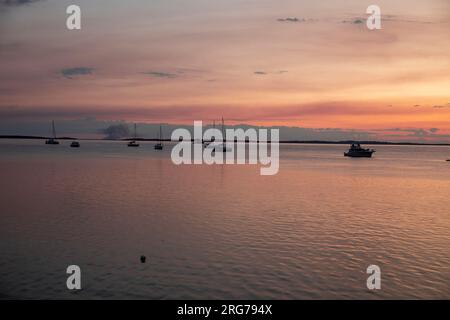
(223, 231)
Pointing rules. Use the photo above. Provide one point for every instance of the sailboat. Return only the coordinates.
(207, 143)
(223, 147)
(53, 139)
(159, 145)
(133, 143)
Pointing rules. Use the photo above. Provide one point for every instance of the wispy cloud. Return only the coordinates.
(395, 18)
(436, 106)
(442, 106)
(413, 131)
(354, 21)
(17, 2)
(160, 74)
(77, 71)
(174, 73)
(263, 73)
(291, 19)
(387, 18)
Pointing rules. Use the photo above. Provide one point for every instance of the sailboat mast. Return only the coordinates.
(53, 129)
(223, 131)
(160, 134)
(135, 131)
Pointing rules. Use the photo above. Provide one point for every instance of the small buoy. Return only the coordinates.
(143, 259)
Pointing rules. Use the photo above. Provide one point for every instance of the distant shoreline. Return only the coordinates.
(282, 141)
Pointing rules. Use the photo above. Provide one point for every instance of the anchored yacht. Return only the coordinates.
(133, 143)
(53, 139)
(357, 151)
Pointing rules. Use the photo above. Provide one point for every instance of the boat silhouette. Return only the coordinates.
(222, 147)
(159, 145)
(133, 143)
(356, 151)
(207, 143)
(53, 139)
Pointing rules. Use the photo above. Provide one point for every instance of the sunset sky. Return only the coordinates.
(176, 61)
